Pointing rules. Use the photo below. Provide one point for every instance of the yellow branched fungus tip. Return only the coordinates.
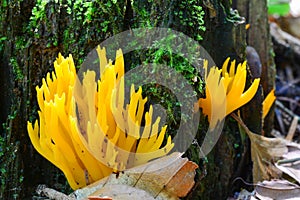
(247, 26)
(86, 129)
(268, 102)
(232, 84)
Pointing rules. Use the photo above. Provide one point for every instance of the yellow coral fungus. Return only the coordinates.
(214, 105)
(233, 83)
(268, 102)
(85, 128)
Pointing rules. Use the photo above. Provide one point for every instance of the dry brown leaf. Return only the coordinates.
(169, 177)
(277, 189)
(183, 181)
(290, 164)
(264, 152)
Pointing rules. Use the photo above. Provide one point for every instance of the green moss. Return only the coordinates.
(2, 39)
(18, 73)
(38, 15)
(87, 23)
(191, 16)
(9, 162)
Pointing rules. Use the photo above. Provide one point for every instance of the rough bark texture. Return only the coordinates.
(224, 37)
(34, 35)
(258, 36)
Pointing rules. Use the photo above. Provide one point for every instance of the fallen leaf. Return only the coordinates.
(277, 189)
(183, 181)
(120, 192)
(290, 164)
(169, 177)
(264, 153)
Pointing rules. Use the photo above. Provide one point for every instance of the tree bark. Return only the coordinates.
(33, 35)
(225, 37)
(258, 36)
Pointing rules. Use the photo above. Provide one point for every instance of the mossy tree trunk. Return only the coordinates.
(258, 36)
(225, 36)
(32, 33)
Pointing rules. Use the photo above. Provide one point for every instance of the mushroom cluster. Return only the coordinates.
(86, 129)
(225, 90)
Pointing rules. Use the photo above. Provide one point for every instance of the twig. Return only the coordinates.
(280, 120)
(288, 112)
(279, 162)
(288, 99)
(284, 43)
(52, 194)
(292, 129)
(240, 121)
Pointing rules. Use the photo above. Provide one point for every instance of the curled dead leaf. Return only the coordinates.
(290, 164)
(169, 177)
(277, 189)
(264, 153)
(183, 181)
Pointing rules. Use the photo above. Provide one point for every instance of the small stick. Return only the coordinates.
(51, 193)
(292, 129)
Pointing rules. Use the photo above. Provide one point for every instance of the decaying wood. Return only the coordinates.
(258, 36)
(287, 120)
(51, 193)
(287, 50)
(285, 44)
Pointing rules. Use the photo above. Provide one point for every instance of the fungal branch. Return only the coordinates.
(225, 90)
(85, 128)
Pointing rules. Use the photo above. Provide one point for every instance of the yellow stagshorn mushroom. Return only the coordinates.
(86, 130)
(214, 105)
(231, 83)
(268, 102)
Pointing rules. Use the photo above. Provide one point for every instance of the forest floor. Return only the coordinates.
(282, 178)
(287, 56)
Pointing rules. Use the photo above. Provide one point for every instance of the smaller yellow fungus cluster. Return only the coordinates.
(226, 88)
(268, 102)
(86, 130)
